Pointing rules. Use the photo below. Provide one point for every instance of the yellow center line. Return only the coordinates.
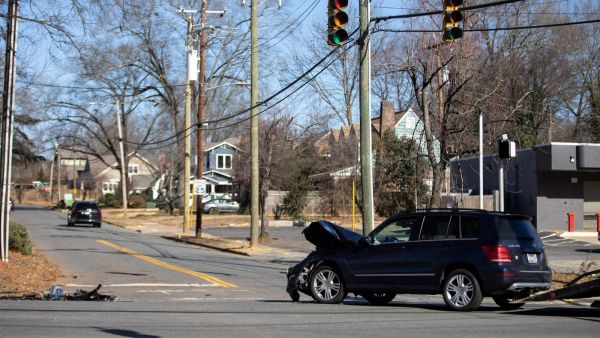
(200, 275)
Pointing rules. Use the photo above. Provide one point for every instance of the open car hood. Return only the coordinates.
(327, 235)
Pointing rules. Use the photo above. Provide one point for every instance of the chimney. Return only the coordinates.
(387, 118)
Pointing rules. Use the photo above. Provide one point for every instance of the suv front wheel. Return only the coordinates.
(461, 291)
(326, 285)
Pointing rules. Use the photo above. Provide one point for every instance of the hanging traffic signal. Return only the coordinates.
(452, 18)
(336, 19)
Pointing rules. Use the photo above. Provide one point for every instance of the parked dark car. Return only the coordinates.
(216, 206)
(463, 254)
(85, 212)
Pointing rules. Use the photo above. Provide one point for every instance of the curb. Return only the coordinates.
(214, 247)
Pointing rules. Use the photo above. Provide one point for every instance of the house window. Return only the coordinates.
(132, 170)
(223, 161)
(109, 187)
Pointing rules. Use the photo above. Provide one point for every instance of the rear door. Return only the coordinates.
(523, 242)
(429, 249)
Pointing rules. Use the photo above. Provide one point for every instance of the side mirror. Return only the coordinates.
(364, 242)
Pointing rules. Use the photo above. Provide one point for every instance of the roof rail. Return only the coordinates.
(448, 209)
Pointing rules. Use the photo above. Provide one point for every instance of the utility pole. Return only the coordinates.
(52, 176)
(254, 123)
(7, 124)
(58, 192)
(366, 165)
(187, 126)
(123, 173)
(200, 117)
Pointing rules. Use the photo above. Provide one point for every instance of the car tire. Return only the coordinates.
(213, 211)
(461, 291)
(326, 285)
(378, 298)
(97, 225)
(70, 224)
(504, 303)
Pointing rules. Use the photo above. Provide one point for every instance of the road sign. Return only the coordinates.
(199, 187)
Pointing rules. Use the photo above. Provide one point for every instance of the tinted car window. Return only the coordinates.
(397, 231)
(453, 228)
(518, 229)
(469, 227)
(435, 227)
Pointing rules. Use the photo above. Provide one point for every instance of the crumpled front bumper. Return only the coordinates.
(297, 277)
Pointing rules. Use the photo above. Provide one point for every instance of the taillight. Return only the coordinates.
(497, 253)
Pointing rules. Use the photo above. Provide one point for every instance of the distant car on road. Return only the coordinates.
(11, 204)
(220, 205)
(85, 212)
(463, 254)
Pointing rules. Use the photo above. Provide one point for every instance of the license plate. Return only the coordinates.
(87, 212)
(532, 258)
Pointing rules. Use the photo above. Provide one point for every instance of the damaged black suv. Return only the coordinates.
(464, 254)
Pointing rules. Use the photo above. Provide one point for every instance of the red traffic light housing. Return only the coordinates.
(336, 19)
(451, 20)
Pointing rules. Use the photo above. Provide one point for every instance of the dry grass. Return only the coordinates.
(24, 275)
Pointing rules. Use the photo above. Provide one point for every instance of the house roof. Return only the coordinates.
(111, 159)
(232, 142)
(142, 181)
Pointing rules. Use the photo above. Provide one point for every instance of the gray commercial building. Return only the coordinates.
(545, 182)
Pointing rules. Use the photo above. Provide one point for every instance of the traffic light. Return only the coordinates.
(336, 19)
(452, 17)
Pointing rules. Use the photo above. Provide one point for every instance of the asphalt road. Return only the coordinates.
(135, 266)
(169, 289)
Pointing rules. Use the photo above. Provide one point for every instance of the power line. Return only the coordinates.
(467, 8)
(259, 104)
(490, 29)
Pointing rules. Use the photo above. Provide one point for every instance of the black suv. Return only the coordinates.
(463, 254)
(85, 212)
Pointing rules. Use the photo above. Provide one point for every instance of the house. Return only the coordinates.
(74, 169)
(143, 176)
(545, 182)
(341, 144)
(217, 168)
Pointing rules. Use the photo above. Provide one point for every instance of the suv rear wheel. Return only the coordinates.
(461, 291)
(326, 285)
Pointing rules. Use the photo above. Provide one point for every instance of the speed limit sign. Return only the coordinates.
(199, 187)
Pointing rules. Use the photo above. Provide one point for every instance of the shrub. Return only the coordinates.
(109, 200)
(18, 239)
(137, 201)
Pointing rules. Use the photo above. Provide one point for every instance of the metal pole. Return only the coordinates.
(200, 117)
(123, 175)
(365, 118)
(52, 176)
(7, 125)
(480, 161)
(58, 192)
(188, 141)
(501, 182)
(353, 196)
(254, 124)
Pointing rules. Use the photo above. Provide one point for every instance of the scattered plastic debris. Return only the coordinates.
(56, 293)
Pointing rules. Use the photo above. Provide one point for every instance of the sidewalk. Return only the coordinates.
(175, 232)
